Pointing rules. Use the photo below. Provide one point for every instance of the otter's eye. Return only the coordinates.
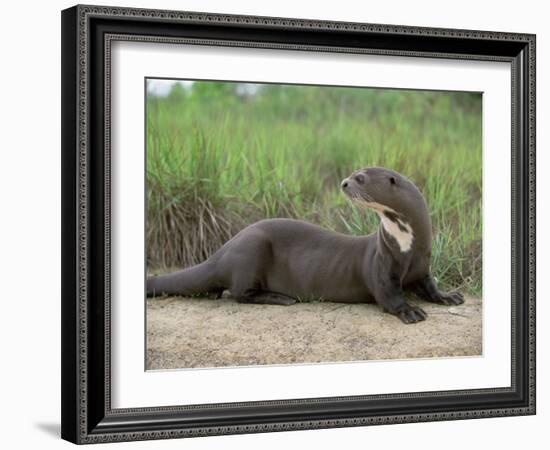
(392, 180)
(360, 178)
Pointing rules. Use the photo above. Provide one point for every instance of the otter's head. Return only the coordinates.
(393, 196)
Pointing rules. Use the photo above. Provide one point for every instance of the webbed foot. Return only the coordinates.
(411, 314)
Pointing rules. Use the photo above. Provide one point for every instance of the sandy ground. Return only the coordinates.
(193, 332)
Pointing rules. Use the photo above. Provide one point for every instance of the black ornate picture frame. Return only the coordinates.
(87, 34)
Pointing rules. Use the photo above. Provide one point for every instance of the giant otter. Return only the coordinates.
(278, 261)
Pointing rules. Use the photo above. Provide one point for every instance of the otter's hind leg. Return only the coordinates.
(427, 290)
(266, 298)
(247, 260)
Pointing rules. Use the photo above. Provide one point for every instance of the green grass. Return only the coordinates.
(217, 161)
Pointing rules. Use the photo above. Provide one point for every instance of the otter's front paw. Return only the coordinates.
(411, 314)
(450, 299)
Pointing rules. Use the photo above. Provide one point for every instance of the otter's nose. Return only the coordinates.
(345, 183)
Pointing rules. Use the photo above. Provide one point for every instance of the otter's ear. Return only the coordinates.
(392, 180)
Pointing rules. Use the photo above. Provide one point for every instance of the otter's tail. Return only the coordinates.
(195, 280)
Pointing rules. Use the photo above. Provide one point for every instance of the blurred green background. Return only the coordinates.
(223, 155)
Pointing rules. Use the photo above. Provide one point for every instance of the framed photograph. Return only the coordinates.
(278, 224)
